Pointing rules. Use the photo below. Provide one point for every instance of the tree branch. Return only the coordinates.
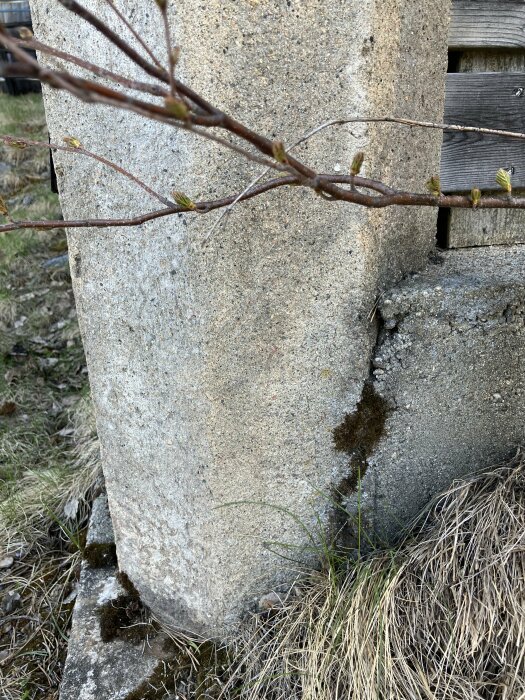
(193, 113)
(393, 198)
(12, 140)
(136, 85)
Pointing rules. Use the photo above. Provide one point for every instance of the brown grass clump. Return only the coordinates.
(41, 528)
(441, 617)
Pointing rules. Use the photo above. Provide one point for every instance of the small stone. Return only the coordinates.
(6, 562)
(269, 601)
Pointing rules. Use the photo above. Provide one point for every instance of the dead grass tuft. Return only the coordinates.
(442, 616)
(41, 528)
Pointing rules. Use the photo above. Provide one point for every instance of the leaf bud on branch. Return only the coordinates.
(433, 185)
(177, 108)
(184, 201)
(279, 152)
(475, 196)
(175, 55)
(357, 163)
(503, 180)
(72, 142)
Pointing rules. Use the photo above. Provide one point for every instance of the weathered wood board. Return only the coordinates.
(490, 227)
(487, 24)
(492, 100)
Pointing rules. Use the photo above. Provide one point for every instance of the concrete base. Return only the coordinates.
(449, 367)
(96, 670)
(119, 668)
(219, 372)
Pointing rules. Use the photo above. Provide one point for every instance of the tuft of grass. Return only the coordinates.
(42, 521)
(440, 616)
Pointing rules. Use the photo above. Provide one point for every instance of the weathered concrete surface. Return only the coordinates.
(450, 365)
(100, 540)
(97, 670)
(219, 373)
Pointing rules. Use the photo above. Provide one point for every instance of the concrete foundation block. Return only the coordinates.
(100, 541)
(219, 372)
(450, 369)
(94, 669)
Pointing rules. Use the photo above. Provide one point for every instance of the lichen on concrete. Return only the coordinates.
(96, 670)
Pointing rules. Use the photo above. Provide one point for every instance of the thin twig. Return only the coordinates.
(167, 38)
(397, 198)
(10, 140)
(230, 207)
(200, 207)
(136, 85)
(415, 123)
(137, 36)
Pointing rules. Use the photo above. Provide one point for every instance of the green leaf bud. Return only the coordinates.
(279, 152)
(184, 201)
(433, 185)
(357, 163)
(475, 196)
(503, 180)
(177, 108)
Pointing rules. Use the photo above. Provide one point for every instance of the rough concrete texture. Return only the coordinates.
(97, 670)
(220, 372)
(450, 365)
(100, 540)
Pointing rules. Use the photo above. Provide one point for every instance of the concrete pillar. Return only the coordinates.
(220, 373)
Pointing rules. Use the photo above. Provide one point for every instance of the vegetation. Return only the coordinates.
(48, 455)
(441, 616)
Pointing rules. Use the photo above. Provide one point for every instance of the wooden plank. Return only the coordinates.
(492, 100)
(487, 24)
(482, 227)
(488, 226)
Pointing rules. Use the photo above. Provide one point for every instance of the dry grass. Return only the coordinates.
(48, 454)
(41, 527)
(442, 617)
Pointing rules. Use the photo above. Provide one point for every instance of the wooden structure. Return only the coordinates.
(485, 87)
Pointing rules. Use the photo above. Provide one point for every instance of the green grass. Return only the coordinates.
(21, 116)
